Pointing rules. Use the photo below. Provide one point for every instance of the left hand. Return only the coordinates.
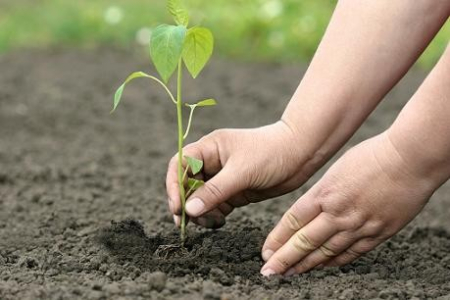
(367, 196)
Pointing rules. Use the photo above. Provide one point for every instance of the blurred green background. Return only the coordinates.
(257, 30)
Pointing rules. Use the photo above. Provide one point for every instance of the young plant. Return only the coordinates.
(171, 47)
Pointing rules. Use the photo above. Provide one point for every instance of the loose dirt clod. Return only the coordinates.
(157, 280)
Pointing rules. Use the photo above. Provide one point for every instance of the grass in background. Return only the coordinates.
(257, 30)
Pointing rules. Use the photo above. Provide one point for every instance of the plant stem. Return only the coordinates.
(185, 174)
(180, 153)
(164, 86)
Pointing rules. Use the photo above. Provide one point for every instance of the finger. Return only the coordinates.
(215, 219)
(177, 220)
(204, 150)
(254, 196)
(172, 187)
(355, 251)
(302, 243)
(216, 191)
(239, 200)
(212, 219)
(300, 214)
(226, 208)
(326, 252)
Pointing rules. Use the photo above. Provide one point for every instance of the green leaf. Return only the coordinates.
(206, 102)
(194, 184)
(178, 12)
(197, 49)
(196, 165)
(119, 91)
(166, 46)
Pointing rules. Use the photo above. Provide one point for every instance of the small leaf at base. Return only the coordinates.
(194, 184)
(206, 102)
(196, 165)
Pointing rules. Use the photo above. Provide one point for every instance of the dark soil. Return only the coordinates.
(211, 253)
(82, 196)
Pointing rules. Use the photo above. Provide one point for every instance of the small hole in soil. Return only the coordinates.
(234, 253)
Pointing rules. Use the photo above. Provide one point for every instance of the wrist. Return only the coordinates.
(417, 160)
(323, 127)
(310, 154)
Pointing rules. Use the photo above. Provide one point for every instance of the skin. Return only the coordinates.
(375, 188)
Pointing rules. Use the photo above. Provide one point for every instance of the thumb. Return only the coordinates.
(215, 191)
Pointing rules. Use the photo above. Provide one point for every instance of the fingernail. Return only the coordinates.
(267, 254)
(170, 203)
(290, 272)
(267, 272)
(177, 220)
(195, 207)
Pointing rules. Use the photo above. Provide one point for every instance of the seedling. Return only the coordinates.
(171, 47)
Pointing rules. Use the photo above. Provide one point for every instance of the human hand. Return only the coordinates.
(367, 196)
(241, 166)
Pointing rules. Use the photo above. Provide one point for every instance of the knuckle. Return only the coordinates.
(339, 201)
(359, 220)
(273, 240)
(335, 244)
(214, 190)
(327, 251)
(303, 266)
(361, 248)
(333, 202)
(291, 221)
(367, 245)
(354, 221)
(194, 149)
(332, 220)
(348, 256)
(323, 194)
(217, 134)
(302, 243)
(352, 253)
(341, 260)
(191, 147)
(281, 263)
(351, 221)
(372, 228)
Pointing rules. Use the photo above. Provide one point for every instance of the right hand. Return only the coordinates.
(241, 166)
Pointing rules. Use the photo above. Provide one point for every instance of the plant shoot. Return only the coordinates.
(171, 48)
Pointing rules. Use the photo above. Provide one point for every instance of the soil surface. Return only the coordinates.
(82, 199)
